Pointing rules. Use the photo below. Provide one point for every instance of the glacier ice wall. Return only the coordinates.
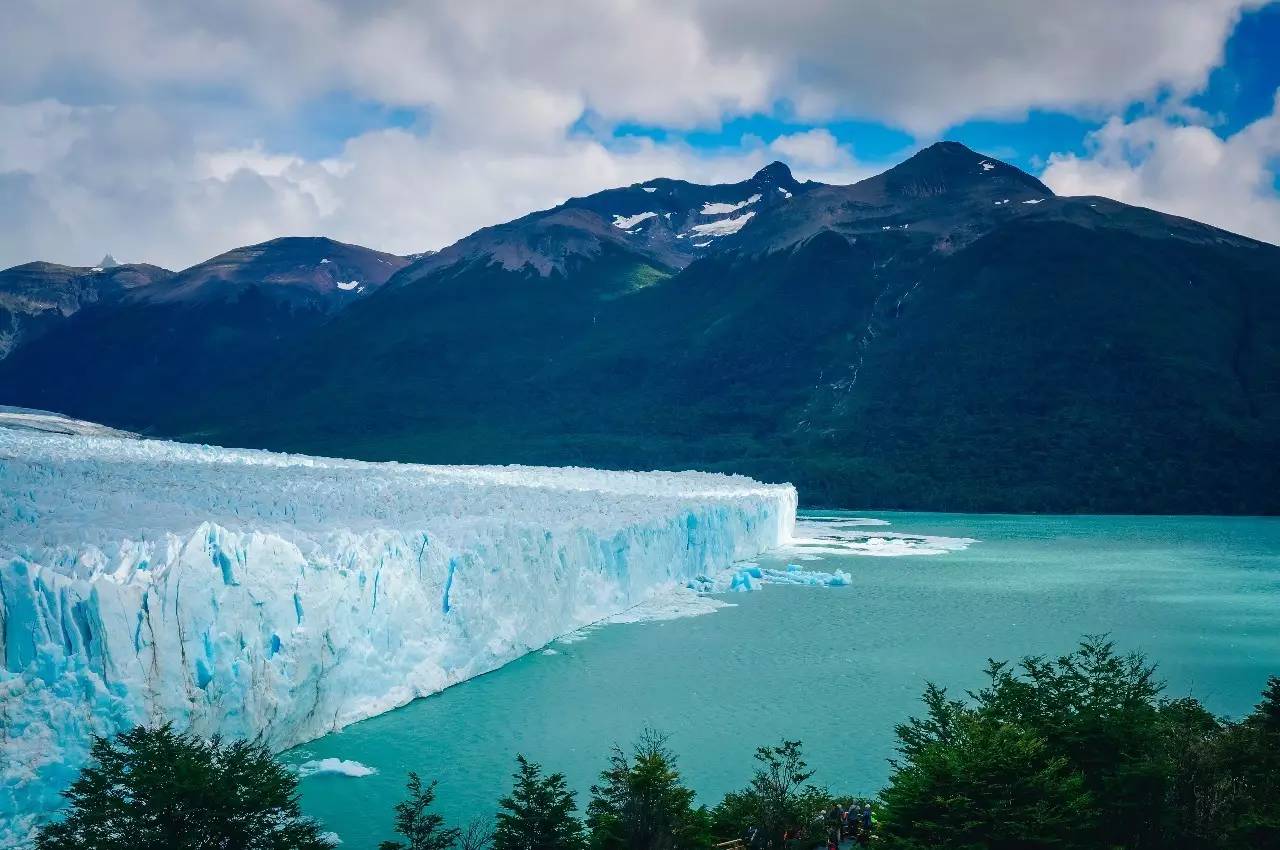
(253, 593)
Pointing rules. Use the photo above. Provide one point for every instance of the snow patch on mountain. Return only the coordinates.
(720, 209)
(625, 222)
(722, 227)
(252, 593)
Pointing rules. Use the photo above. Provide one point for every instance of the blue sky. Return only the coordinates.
(170, 133)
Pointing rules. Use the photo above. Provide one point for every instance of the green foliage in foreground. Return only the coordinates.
(1081, 752)
(641, 804)
(1074, 753)
(423, 829)
(539, 814)
(777, 801)
(156, 789)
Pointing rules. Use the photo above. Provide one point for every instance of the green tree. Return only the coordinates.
(157, 789)
(424, 829)
(1267, 713)
(539, 814)
(1197, 802)
(1254, 759)
(1099, 710)
(1081, 751)
(776, 801)
(641, 804)
(779, 785)
(969, 781)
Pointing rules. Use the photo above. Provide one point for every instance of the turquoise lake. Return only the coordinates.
(835, 667)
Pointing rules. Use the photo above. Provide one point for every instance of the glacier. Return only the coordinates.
(250, 593)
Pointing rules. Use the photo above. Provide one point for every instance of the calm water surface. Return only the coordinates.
(834, 667)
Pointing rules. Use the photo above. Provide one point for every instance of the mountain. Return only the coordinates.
(154, 349)
(35, 297)
(302, 273)
(946, 335)
(660, 225)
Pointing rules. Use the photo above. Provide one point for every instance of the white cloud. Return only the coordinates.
(926, 65)
(158, 159)
(818, 155)
(918, 64)
(1183, 168)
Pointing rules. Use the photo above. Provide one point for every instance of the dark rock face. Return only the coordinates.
(150, 351)
(947, 335)
(35, 297)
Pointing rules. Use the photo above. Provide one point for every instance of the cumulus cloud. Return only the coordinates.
(1173, 165)
(927, 65)
(918, 64)
(135, 126)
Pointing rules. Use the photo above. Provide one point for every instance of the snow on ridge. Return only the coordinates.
(709, 208)
(347, 285)
(249, 592)
(624, 222)
(650, 188)
(722, 227)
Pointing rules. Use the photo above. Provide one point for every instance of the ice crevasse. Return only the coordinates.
(251, 593)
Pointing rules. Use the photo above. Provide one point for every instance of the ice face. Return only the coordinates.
(252, 593)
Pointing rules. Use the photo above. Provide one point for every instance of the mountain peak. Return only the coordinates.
(948, 167)
(108, 262)
(775, 172)
(951, 156)
(312, 270)
(946, 146)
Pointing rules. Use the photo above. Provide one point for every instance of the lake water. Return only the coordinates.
(835, 667)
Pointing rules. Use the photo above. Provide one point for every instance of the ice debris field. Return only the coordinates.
(251, 593)
(815, 538)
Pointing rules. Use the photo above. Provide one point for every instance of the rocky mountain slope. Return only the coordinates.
(151, 350)
(37, 296)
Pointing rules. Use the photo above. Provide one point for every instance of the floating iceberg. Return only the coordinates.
(251, 593)
(334, 767)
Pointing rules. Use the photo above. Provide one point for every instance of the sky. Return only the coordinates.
(170, 132)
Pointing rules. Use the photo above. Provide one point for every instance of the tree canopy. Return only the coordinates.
(157, 789)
